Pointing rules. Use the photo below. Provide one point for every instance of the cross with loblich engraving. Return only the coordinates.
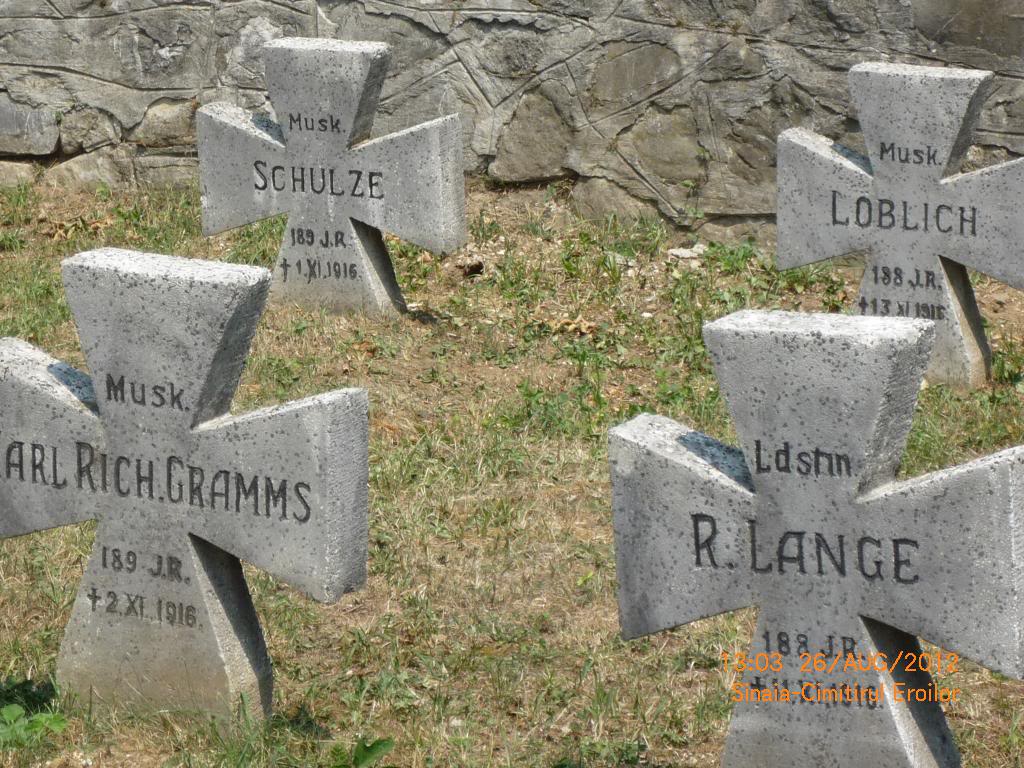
(808, 524)
(180, 488)
(921, 221)
(338, 189)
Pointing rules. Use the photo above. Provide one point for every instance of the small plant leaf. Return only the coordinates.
(365, 755)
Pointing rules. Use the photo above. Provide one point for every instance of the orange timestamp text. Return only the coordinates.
(938, 662)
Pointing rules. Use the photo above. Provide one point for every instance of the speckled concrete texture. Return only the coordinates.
(806, 522)
(921, 221)
(338, 188)
(181, 488)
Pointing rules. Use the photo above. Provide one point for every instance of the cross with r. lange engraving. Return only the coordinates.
(807, 523)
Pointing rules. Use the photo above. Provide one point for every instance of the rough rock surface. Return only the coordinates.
(84, 76)
(12, 174)
(676, 105)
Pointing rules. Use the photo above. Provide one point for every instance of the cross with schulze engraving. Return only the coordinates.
(920, 220)
(807, 523)
(338, 189)
(180, 488)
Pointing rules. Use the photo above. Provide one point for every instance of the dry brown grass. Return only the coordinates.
(487, 634)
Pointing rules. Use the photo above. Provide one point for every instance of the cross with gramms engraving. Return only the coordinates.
(180, 488)
(338, 188)
(921, 222)
(807, 523)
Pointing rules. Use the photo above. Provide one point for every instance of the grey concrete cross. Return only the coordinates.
(180, 488)
(338, 189)
(807, 523)
(906, 204)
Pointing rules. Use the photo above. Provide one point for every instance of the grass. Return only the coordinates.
(487, 634)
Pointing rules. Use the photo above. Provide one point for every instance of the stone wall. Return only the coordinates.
(666, 105)
(114, 84)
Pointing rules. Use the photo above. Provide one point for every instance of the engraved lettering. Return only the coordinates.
(817, 462)
(752, 526)
(796, 559)
(261, 183)
(861, 544)
(704, 543)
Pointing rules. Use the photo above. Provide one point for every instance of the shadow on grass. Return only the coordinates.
(302, 721)
(422, 316)
(32, 695)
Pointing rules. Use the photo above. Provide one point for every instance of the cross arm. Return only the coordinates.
(47, 408)
(818, 180)
(423, 187)
(681, 504)
(237, 149)
(291, 488)
(961, 535)
(996, 246)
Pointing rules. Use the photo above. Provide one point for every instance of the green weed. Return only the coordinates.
(483, 229)
(487, 631)
(19, 730)
(363, 755)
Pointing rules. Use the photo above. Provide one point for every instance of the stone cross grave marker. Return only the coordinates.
(180, 488)
(807, 523)
(338, 189)
(921, 222)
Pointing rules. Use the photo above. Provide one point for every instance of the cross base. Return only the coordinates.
(175, 624)
(928, 288)
(341, 265)
(836, 716)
